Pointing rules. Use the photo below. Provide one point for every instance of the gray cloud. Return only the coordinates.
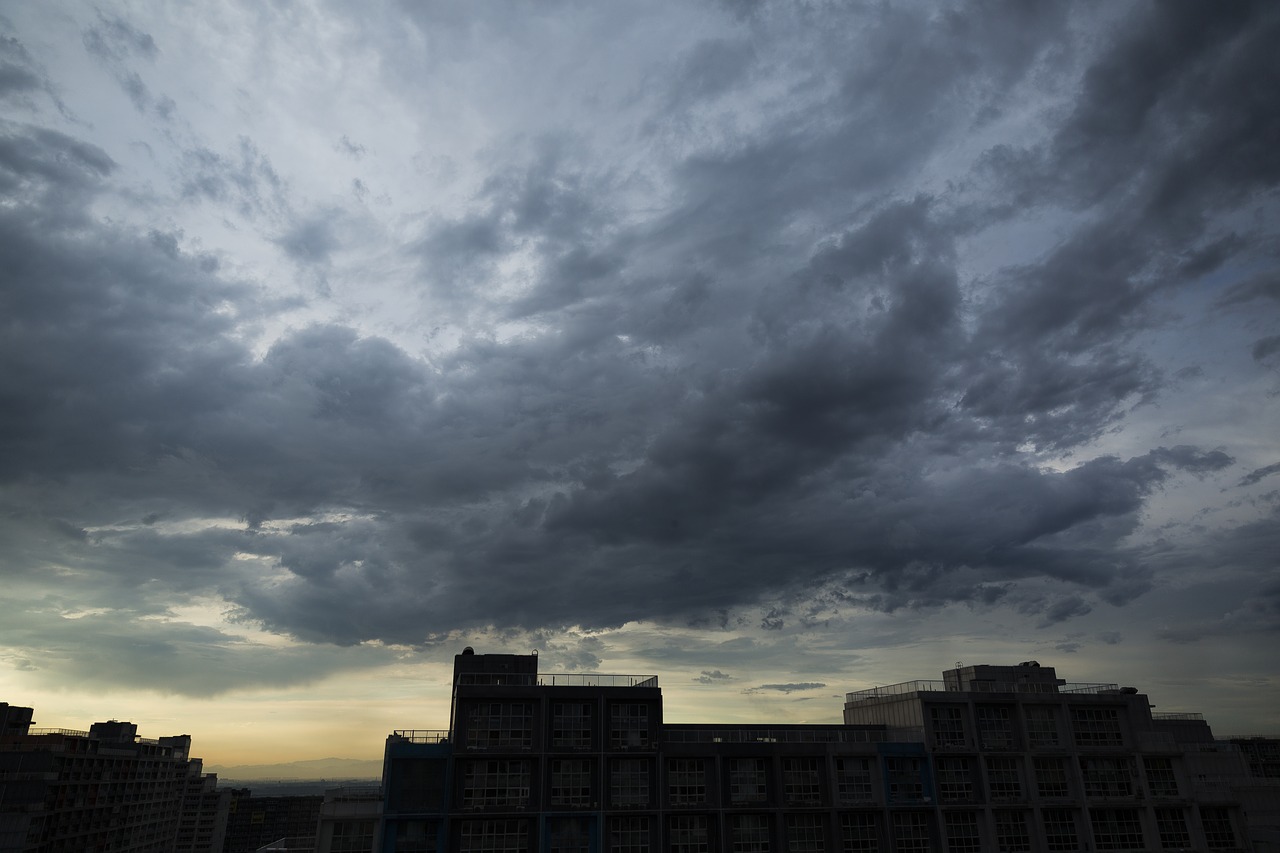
(790, 687)
(786, 386)
(1257, 474)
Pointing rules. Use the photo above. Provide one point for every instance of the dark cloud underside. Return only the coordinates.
(783, 386)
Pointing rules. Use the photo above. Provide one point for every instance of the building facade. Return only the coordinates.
(106, 789)
(987, 759)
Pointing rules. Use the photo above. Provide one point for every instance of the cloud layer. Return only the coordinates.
(672, 315)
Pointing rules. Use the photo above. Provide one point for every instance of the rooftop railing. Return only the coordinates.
(934, 686)
(422, 735)
(571, 679)
(1172, 715)
(63, 732)
(675, 733)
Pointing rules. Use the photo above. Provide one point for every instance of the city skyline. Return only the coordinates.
(780, 350)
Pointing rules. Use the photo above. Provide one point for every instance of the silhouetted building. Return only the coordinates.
(202, 826)
(349, 820)
(102, 790)
(254, 822)
(987, 759)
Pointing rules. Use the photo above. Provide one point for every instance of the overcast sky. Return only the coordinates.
(779, 350)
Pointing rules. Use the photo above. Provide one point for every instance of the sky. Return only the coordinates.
(776, 349)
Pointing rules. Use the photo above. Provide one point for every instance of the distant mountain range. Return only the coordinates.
(317, 768)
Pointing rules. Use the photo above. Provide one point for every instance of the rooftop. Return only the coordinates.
(934, 686)
(571, 679)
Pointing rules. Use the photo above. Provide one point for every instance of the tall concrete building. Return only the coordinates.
(102, 790)
(986, 759)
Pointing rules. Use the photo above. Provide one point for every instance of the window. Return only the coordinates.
(1172, 825)
(859, 832)
(495, 782)
(947, 724)
(629, 782)
(1217, 828)
(750, 833)
(571, 782)
(1011, 832)
(1117, 829)
(995, 731)
(353, 836)
(1051, 777)
(955, 780)
(1060, 829)
(853, 779)
(689, 834)
(628, 725)
(1004, 780)
(1093, 727)
(568, 835)
(962, 832)
(805, 833)
(911, 832)
(1160, 778)
(686, 782)
(628, 834)
(801, 785)
(500, 725)
(1107, 777)
(747, 780)
(905, 785)
(1042, 726)
(571, 725)
(494, 836)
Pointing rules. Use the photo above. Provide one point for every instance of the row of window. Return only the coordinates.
(994, 727)
(494, 783)
(858, 832)
(510, 725)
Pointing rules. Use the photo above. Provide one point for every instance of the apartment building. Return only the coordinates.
(105, 789)
(986, 759)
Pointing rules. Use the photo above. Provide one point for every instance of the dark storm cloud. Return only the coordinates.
(19, 73)
(1257, 474)
(780, 393)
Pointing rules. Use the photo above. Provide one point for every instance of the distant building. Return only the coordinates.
(255, 822)
(349, 820)
(102, 790)
(987, 759)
